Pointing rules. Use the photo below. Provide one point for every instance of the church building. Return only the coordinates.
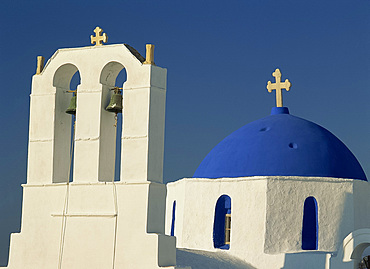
(279, 193)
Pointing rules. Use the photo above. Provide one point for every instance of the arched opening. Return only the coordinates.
(113, 75)
(365, 257)
(356, 246)
(120, 80)
(222, 223)
(75, 81)
(310, 225)
(66, 78)
(173, 218)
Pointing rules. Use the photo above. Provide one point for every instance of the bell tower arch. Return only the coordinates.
(144, 97)
(50, 127)
(108, 78)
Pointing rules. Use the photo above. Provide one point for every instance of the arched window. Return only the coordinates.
(173, 218)
(310, 226)
(222, 223)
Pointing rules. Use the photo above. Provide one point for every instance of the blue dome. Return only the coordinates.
(280, 145)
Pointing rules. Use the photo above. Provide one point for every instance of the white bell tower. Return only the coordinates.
(95, 222)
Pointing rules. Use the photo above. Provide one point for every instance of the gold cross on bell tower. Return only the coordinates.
(278, 85)
(98, 39)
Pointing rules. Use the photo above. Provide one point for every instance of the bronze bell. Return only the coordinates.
(115, 104)
(72, 106)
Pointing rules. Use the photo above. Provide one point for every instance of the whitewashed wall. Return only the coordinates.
(94, 222)
(267, 214)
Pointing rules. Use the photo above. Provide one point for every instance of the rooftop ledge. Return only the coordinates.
(282, 178)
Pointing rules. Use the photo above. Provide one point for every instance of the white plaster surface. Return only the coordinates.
(285, 201)
(94, 222)
(351, 250)
(194, 225)
(200, 259)
(91, 225)
(266, 217)
(143, 117)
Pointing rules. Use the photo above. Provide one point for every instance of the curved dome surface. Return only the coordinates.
(280, 145)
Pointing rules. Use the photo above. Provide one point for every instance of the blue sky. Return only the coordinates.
(219, 56)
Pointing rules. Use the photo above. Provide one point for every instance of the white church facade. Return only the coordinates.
(280, 192)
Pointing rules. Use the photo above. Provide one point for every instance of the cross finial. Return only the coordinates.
(98, 39)
(278, 85)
